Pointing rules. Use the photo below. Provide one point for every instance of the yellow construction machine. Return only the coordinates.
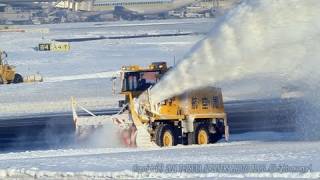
(8, 73)
(193, 117)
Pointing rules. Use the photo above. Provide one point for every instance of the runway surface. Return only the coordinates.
(36, 131)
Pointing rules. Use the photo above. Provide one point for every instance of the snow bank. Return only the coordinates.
(108, 74)
(35, 173)
(132, 163)
(26, 108)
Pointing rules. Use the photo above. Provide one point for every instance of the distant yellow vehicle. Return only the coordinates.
(8, 73)
(193, 117)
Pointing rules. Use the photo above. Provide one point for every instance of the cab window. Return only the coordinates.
(139, 81)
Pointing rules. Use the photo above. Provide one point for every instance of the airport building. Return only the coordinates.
(143, 6)
(106, 10)
(14, 15)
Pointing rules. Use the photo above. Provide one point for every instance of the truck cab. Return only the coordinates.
(135, 79)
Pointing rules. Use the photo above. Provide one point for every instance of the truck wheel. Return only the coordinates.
(219, 131)
(17, 79)
(202, 135)
(165, 136)
(216, 137)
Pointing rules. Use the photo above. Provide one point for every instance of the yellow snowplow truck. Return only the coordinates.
(8, 73)
(193, 117)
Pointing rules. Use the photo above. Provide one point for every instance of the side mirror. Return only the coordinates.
(113, 79)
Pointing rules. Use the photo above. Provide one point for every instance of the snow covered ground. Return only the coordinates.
(251, 155)
(85, 71)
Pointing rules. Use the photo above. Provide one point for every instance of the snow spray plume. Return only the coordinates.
(106, 136)
(254, 51)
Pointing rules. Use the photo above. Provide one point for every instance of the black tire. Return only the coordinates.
(215, 137)
(218, 134)
(17, 79)
(1, 81)
(160, 132)
(201, 128)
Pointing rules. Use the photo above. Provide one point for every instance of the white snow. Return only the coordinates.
(85, 71)
(83, 76)
(123, 163)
